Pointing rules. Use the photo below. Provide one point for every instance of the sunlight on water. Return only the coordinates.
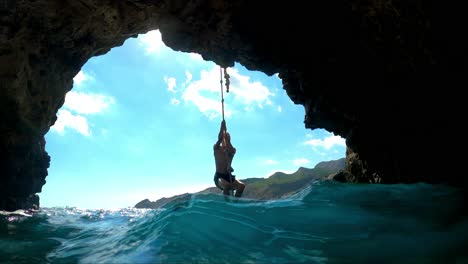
(325, 223)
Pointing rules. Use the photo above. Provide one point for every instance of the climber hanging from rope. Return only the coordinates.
(224, 152)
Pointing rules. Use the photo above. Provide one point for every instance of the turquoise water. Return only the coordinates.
(326, 223)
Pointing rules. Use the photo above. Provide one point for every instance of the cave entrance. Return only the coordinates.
(141, 120)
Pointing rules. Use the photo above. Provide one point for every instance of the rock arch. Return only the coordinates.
(378, 73)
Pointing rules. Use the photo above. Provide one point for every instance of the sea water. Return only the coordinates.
(327, 222)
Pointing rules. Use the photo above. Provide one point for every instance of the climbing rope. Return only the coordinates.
(221, 82)
(227, 83)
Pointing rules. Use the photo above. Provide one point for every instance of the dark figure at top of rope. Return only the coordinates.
(224, 153)
(227, 79)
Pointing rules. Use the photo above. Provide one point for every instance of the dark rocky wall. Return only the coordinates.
(386, 75)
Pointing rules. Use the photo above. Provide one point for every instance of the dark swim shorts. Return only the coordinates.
(224, 176)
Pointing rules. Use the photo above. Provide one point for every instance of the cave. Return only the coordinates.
(385, 75)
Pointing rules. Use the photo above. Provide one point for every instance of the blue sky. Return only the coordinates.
(141, 121)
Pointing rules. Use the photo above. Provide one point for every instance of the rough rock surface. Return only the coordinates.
(385, 74)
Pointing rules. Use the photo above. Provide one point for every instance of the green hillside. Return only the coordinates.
(280, 184)
(276, 186)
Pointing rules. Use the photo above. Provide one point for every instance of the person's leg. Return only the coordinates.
(239, 186)
(225, 185)
(216, 181)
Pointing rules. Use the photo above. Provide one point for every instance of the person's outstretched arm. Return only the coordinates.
(220, 134)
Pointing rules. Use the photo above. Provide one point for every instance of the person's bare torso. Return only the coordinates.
(223, 160)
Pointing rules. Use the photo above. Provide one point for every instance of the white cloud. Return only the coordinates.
(205, 93)
(151, 42)
(248, 108)
(78, 104)
(171, 83)
(91, 103)
(175, 101)
(189, 77)
(76, 122)
(270, 162)
(210, 107)
(196, 56)
(301, 161)
(327, 142)
(280, 109)
(79, 78)
(248, 92)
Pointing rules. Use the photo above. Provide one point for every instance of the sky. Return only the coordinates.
(140, 123)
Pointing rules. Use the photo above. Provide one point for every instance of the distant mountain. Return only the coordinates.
(161, 202)
(277, 185)
(335, 165)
